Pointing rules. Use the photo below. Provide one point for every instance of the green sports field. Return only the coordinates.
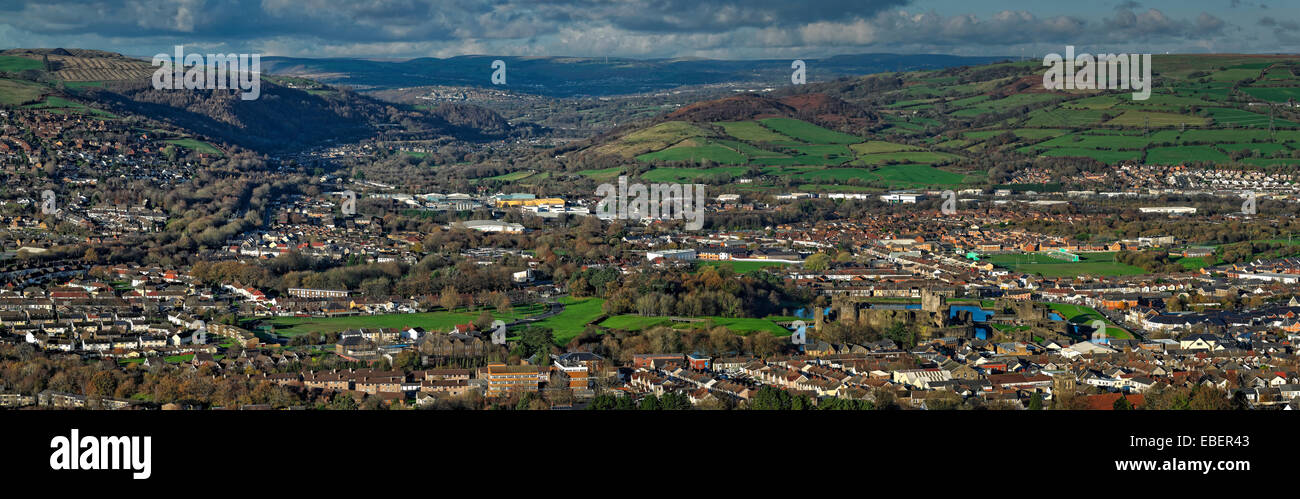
(437, 321)
(743, 267)
(1099, 264)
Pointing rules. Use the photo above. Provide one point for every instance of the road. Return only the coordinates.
(556, 308)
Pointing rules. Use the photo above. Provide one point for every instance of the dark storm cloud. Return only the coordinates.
(1007, 27)
(352, 20)
(397, 20)
(1152, 23)
(697, 15)
(650, 28)
(1286, 30)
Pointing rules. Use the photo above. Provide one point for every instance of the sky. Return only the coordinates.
(719, 29)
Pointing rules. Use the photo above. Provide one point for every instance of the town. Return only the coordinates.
(930, 311)
(927, 245)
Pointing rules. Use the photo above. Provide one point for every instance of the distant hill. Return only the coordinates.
(967, 125)
(285, 119)
(291, 114)
(574, 76)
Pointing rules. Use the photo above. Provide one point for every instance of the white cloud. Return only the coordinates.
(665, 28)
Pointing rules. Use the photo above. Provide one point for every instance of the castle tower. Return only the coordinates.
(847, 307)
(933, 302)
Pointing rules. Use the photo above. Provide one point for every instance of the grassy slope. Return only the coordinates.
(437, 321)
(573, 320)
(1186, 119)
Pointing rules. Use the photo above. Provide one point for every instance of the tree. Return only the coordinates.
(502, 304)
(943, 400)
(450, 298)
(1036, 402)
(102, 384)
(343, 402)
(1239, 401)
(839, 404)
(817, 261)
(766, 345)
(1206, 398)
(800, 403)
(537, 339)
(900, 334)
(885, 399)
(407, 360)
(379, 286)
(484, 321)
(26, 352)
(607, 402)
(770, 399)
(525, 402)
(674, 402)
(1121, 404)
